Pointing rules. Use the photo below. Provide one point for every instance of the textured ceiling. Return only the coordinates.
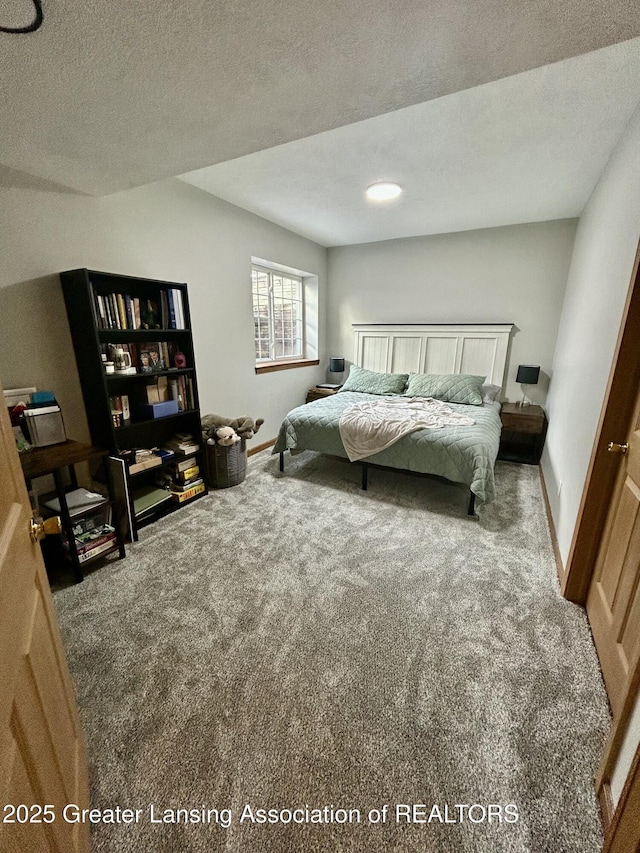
(526, 148)
(110, 95)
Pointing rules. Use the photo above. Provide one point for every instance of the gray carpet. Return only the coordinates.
(294, 642)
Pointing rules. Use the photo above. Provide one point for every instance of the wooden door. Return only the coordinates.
(42, 753)
(613, 601)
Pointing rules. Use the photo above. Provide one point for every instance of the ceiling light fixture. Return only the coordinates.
(383, 191)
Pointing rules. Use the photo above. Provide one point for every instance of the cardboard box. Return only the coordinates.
(159, 391)
(160, 410)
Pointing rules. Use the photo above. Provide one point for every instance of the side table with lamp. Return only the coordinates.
(326, 389)
(524, 424)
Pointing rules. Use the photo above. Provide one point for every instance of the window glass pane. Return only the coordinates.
(277, 314)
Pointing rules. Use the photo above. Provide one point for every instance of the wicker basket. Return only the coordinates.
(226, 464)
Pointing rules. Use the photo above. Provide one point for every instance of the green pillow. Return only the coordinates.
(370, 382)
(448, 387)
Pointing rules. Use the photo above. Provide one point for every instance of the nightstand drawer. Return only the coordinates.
(521, 423)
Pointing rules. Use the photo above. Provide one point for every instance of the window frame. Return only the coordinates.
(263, 365)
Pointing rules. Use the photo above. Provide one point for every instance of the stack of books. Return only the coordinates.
(182, 444)
(187, 482)
(91, 542)
(93, 533)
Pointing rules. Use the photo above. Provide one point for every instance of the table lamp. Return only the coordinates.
(336, 365)
(527, 375)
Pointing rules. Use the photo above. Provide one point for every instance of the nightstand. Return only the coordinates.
(523, 432)
(317, 393)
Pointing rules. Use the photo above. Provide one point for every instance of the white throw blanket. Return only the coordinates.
(367, 428)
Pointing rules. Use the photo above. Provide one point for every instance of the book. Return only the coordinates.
(79, 500)
(102, 317)
(165, 454)
(122, 314)
(108, 538)
(181, 497)
(164, 310)
(177, 299)
(108, 311)
(150, 462)
(88, 523)
(172, 309)
(184, 464)
(114, 311)
(186, 449)
(166, 355)
(92, 539)
(188, 473)
(182, 444)
(99, 549)
(182, 405)
(120, 411)
(129, 311)
(149, 497)
(177, 486)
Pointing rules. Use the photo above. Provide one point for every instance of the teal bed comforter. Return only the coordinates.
(462, 454)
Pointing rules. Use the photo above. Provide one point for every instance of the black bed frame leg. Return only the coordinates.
(472, 504)
(281, 460)
(365, 475)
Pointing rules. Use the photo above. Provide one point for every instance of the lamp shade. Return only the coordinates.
(336, 365)
(528, 374)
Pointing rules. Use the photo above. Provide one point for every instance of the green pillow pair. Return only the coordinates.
(450, 387)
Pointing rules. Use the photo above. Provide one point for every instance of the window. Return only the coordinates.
(278, 315)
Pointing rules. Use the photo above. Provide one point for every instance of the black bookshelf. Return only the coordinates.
(106, 311)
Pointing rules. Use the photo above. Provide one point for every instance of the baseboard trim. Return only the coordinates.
(260, 447)
(552, 530)
(606, 806)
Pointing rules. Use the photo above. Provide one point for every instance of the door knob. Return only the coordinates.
(617, 448)
(39, 529)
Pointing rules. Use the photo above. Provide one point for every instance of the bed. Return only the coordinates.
(459, 453)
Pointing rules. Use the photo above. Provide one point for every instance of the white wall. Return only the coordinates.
(597, 287)
(168, 230)
(599, 279)
(513, 274)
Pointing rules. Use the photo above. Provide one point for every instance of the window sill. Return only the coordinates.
(269, 366)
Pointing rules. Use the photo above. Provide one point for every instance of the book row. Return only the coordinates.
(121, 311)
(179, 451)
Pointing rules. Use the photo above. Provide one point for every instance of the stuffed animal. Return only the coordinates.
(226, 436)
(245, 426)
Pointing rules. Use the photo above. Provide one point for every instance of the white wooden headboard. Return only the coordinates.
(479, 349)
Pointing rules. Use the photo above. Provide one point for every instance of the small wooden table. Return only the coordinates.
(317, 393)
(523, 432)
(41, 461)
